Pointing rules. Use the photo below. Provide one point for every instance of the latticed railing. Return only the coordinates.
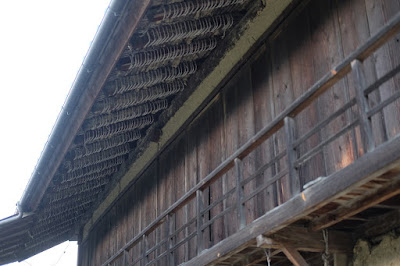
(161, 240)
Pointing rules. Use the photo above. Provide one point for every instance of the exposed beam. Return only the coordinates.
(369, 199)
(304, 239)
(294, 256)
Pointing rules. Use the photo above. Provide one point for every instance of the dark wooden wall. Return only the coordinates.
(288, 63)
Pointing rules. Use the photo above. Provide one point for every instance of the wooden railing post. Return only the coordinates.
(144, 247)
(365, 123)
(125, 258)
(239, 194)
(294, 179)
(169, 243)
(199, 205)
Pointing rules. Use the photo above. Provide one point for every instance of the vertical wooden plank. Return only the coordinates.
(354, 31)
(119, 223)
(191, 179)
(246, 131)
(263, 114)
(282, 97)
(204, 161)
(231, 136)
(149, 188)
(301, 55)
(327, 54)
(138, 220)
(179, 176)
(392, 8)
(217, 155)
(165, 190)
(130, 221)
(378, 13)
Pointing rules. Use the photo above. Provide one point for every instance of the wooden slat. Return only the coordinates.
(261, 79)
(384, 158)
(351, 208)
(276, 124)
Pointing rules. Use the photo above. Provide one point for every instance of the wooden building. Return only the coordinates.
(224, 132)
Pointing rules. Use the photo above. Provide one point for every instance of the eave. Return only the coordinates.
(79, 167)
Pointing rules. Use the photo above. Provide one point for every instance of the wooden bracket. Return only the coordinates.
(291, 252)
(266, 242)
(294, 256)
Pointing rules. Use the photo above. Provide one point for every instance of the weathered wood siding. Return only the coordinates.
(284, 67)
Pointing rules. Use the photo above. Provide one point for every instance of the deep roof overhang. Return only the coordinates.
(123, 86)
(117, 26)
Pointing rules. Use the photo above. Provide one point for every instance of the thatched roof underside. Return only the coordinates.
(171, 44)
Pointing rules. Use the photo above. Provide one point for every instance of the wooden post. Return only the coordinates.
(169, 229)
(365, 123)
(199, 205)
(144, 247)
(239, 194)
(294, 179)
(167, 235)
(125, 258)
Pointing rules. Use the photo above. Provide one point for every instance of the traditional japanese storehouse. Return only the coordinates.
(225, 132)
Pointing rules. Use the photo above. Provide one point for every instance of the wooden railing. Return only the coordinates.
(165, 248)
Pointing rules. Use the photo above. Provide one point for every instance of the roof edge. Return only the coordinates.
(109, 41)
(255, 30)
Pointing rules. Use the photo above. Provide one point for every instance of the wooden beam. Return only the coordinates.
(304, 239)
(371, 165)
(294, 256)
(368, 200)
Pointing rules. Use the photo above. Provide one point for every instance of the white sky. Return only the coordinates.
(42, 45)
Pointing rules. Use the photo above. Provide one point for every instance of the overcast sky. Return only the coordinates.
(42, 45)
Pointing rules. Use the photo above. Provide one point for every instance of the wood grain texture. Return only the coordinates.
(281, 71)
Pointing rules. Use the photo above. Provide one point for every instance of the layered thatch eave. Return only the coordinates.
(146, 59)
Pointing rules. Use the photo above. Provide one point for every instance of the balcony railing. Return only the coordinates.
(171, 236)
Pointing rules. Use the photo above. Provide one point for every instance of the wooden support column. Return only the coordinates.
(199, 205)
(239, 194)
(170, 225)
(294, 180)
(365, 123)
(144, 250)
(125, 258)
